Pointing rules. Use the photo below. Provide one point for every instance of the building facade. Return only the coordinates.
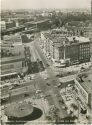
(12, 58)
(2, 25)
(83, 90)
(60, 47)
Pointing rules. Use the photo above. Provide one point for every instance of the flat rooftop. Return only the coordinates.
(60, 38)
(79, 39)
(67, 78)
(12, 59)
(87, 81)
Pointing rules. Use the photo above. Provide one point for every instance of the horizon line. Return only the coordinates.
(87, 8)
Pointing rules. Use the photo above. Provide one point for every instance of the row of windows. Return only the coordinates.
(24, 64)
(83, 58)
(5, 67)
(87, 46)
(85, 49)
(84, 45)
(84, 52)
(81, 91)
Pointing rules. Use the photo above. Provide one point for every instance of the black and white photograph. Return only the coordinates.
(46, 62)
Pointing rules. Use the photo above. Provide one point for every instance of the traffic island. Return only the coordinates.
(22, 112)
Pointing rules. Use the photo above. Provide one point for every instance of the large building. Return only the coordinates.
(80, 28)
(2, 25)
(73, 50)
(78, 51)
(83, 90)
(10, 24)
(13, 39)
(12, 57)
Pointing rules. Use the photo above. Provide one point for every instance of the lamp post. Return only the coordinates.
(10, 96)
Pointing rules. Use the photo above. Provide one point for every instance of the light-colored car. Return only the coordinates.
(32, 76)
(38, 91)
(45, 78)
(68, 99)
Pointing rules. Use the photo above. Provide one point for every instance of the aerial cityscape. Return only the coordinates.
(46, 62)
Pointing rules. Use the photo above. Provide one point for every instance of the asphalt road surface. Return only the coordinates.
(51, 93)
(52, 80)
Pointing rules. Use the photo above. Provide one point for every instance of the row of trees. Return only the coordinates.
(61, 19)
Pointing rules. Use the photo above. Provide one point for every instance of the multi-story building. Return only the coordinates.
(83, 90)
(12, 65)
(79, 28)
(88, 30)
(72, 49)
(78, 51)
(13, 39)
(2, 25)
(12, 58)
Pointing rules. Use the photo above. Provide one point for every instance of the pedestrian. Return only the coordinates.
(26, 88)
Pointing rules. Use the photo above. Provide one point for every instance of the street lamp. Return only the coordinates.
(10, 96)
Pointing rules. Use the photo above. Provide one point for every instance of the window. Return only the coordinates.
(5, 67)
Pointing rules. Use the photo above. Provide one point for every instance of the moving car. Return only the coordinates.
(38, 91)
(59, 85)
(14, 86)
(32, 76)
(48, 84)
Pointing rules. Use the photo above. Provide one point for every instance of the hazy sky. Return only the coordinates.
(28, 4)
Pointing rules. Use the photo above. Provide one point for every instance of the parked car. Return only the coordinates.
(4, 100)
(14, 86)
(48, 95)
(26, 94)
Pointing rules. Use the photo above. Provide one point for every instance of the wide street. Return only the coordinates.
(48, 86)
(52, 94)
(52, 80)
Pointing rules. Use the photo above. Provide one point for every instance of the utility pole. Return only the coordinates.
(10, 96)
(64, 49)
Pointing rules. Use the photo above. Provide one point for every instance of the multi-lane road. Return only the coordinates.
(53, 81)
(48, 86)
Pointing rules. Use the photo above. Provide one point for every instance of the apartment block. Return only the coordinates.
(83, 90)
(12, 59)
(61, 47)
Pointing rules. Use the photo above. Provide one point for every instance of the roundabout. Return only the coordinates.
(22, 112)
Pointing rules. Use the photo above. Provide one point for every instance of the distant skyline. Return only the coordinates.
(37, 4)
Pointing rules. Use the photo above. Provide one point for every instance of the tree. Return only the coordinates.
(49, 118)
(75, 107)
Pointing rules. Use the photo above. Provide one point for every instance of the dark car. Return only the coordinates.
(59, 85)
(4, 100)
(26, 95)
(59, 75)
(48, 95)
(16, 85)
(48, 84)
(47, 65)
